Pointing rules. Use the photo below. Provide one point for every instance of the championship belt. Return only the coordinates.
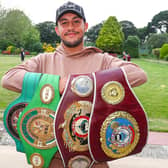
(72, 120)
(35, 125)
(118, 125)
(14, 109)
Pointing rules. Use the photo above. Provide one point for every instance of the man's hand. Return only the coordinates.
(62, 84)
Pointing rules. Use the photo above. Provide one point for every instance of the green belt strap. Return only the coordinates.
(14, 109)
(36, 123)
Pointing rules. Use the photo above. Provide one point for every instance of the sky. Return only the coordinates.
(96, 11)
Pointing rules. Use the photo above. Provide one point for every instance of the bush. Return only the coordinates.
(166, 58)
(164, 51)
(17, 51)
(156, 52)
(131, 46)
(48, 47)
(11, 49)
(37, 47)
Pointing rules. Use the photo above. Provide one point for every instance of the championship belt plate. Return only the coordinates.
(72, 120)
(118, 124)
(14, 109)
(35, 124)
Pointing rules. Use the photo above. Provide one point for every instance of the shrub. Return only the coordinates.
(6, 52)
(166, 58)
(17, 51)
(164, 51)
(11, 49)
(48, 47)
(27, 53)
(131, 46)
(156, 52)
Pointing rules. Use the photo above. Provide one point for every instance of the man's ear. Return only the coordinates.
(86, 26)
(56, 30)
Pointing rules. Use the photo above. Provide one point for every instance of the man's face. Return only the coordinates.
(71, 29)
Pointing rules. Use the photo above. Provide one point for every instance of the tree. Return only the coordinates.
(15, 27)
(160, 22)
(131, 46)
(15, 23)
(92, 34)
(111, 37)
(156, 40)
(31, 40)
(128, 28)
(47, 33)
(142, 34)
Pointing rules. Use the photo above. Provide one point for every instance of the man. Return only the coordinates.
(71, 57)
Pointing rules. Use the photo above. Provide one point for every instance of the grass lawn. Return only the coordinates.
(153, 95)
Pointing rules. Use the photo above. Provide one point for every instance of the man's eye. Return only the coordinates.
(76, 21)
(64, 23)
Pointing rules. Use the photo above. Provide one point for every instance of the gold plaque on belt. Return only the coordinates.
(119, 134)
(112, 92)
(37, 160)
(47, 94)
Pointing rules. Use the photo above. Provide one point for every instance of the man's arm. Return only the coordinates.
(13, 78)
(136, 76)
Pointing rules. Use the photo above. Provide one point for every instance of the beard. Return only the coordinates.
(73, 44)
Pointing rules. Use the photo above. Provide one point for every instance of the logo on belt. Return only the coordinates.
(37, 128)
(82, 86)
(112, 92)
(75, 134)
(119, 134)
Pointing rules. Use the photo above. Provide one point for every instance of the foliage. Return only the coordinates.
(156, 52)
(160, 21)
(164, 51)
(128, 28)
(47, 32)
(156, 41)
(142, 34)
(111, 37)
(11, 49)
(131, 46)
(31, 38)
(92, 34)
(14, 24)
(17, 30)
(48, 47)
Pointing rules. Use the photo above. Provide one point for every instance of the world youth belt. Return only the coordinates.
(118, 124)
(72, 120)
(35, 125)
(12, 112)
(99, 118)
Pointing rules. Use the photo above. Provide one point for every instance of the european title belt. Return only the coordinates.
(14, 109)
(98, 119)
(35, 124)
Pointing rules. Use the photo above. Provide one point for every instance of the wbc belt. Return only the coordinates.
(72, 119)
(14, 109)
(35, 124)
(118, 124)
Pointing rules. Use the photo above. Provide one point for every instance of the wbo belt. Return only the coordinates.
(35, 124)
(98, 119)
(15, 108)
